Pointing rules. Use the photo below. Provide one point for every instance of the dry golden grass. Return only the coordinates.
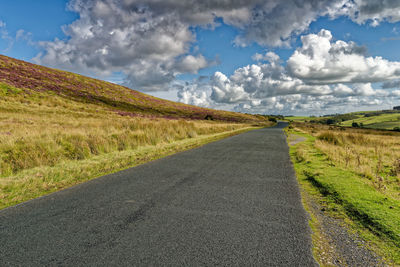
(354, 175)
(59, 128)
(45, 132)
(375, 155)
(48, 142)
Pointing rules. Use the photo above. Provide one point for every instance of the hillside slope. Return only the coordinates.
(376, 120)
(58, 129)
(381, 119)
(31, 78)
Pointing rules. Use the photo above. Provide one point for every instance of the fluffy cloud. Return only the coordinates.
(113, 36)
(395, 93)
(294, 104)
(269, 56)
(274, 22)
(374, 11)
(226, 91)
(322, 61)
(149, 40)
(262, 81)
(320, 75)
(191, 95)
(191, 64)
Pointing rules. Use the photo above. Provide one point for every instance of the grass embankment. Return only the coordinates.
(48, 143)
(58, 129)
(358, 171)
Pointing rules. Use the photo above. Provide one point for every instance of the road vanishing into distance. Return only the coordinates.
(234, 202)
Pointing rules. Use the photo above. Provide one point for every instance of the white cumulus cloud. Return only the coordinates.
(225, 91)
(149, 40)
(269, 56)
(320, 60)
(319, 76)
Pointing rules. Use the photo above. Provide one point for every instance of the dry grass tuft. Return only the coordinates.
(328, 137)
(48, 143)
(45, 133)
(373, 154)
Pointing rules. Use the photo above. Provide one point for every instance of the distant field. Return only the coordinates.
(58, 129)
(358, 170)
(383, 121)
(386, 120)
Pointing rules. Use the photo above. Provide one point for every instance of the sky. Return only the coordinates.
(294, 57)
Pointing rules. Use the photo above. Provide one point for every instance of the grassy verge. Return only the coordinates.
(375, 216)
(39, 181)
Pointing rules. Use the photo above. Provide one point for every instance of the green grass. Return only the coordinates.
(376, 216)
(6, 89)
(383, 121)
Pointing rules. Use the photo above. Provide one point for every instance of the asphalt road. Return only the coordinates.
(231, 202)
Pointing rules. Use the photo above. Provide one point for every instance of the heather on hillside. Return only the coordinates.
(58, 129)
(32, 78)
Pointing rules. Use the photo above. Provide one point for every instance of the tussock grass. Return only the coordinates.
(31, 183)
(58, 129)
(359, 170)
(374, 155)
(46, 129)
(48, 142)
(29, 141)
(328, 137)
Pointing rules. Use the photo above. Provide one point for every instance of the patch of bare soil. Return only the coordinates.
(295, 139)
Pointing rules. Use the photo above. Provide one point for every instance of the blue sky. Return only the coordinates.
(208, 58)
(44, 19)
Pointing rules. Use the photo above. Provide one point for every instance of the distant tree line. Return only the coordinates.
(380, 112)
(334, 119)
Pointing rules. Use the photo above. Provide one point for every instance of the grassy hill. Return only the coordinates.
(376, 120)
(384, 119)
(58, 129)
(19, 77)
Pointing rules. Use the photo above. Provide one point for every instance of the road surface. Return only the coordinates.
(231, 202)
